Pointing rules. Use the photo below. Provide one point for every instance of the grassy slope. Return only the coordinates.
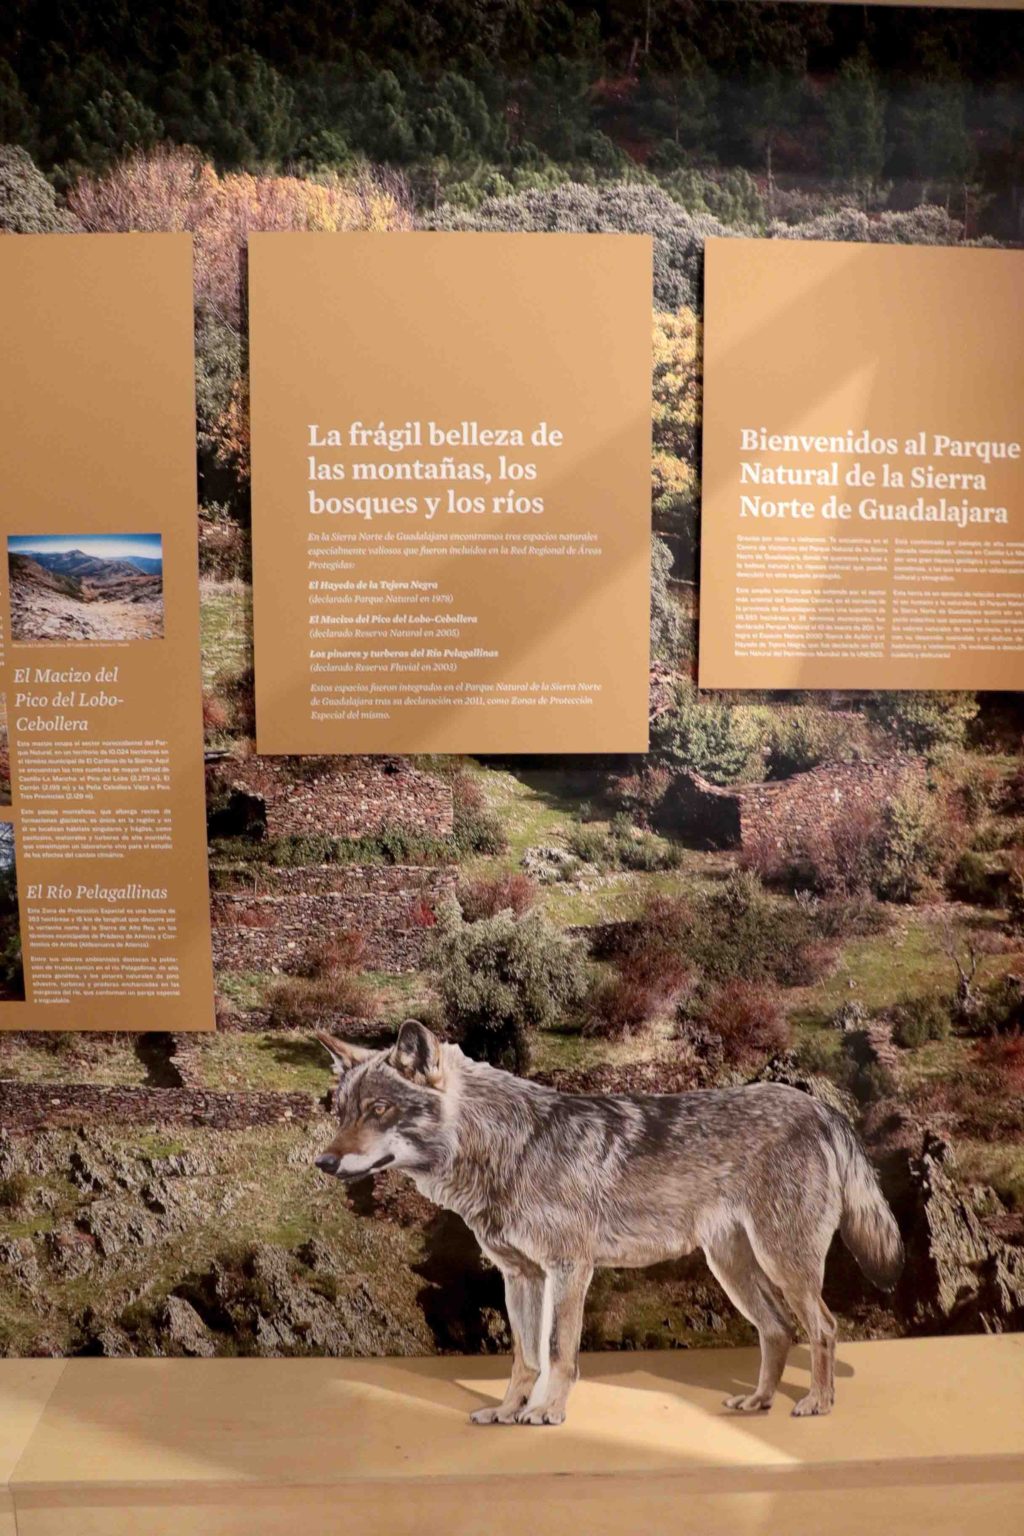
(225, 609)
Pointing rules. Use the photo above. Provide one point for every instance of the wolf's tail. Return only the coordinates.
(867, 1225)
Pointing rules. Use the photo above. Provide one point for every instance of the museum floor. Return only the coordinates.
(928, 1436)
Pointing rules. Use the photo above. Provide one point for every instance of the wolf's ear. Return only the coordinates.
(343, 1056)
(417, 1055)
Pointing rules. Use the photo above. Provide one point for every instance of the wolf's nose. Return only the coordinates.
(328, 1161)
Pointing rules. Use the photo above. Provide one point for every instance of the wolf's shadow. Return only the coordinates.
(462, 1299)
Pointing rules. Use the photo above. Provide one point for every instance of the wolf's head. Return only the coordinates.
(390, 1105)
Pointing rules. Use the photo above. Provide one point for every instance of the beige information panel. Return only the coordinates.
(451, 499)
(862, 521)
(104, 904)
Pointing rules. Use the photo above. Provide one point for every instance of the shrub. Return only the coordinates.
(312, 1002)
(802, 738)
(923, 225)
(915, 847)
(873, 1082)
(974, 880)
(28, 204)
(215, 713)
(1003, 1059)
(654, 949)
(512, 892)
(387, 846)
(238, 692)
(859, 1071)
(841, 856)
(916, 1020)
(975, 784)
(589, 844)
(723, 743)
(1002, 1007)
(342, 951)
(170, 188)
(675, 487)
(746, 1017)
(740, 931)
(639, 795)
(502, 977)
(1015, 892)
(730, 195)
(924, 721)
(816, 1054)
(643, 209)
(851, 917)
(666, 629)
(1011, 797)
(623, 846)
(421, 913)
(619, 1006)
(14, 1190)
(475, 829)
(898, 850)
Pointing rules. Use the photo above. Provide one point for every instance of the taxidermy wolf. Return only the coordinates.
(554, 1185)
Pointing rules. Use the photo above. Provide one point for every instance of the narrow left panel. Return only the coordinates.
(104, 897)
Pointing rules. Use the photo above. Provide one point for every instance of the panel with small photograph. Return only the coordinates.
(86, 587)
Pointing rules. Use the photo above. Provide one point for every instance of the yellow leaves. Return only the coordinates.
(671, 477)
(174, 189)
(229, 438)
(675, 408)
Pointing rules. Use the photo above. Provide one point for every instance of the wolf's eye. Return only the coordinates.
(379, 1109)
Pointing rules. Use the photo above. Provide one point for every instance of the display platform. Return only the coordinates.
(928, 1436)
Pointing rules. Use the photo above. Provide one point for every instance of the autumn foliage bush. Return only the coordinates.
(172, 188)
(326, 985)
(511, 891)
(746, 1016)
(619, 1005)
(316, 1002)
(653, 952)
(901, 849)
(1002, 1059)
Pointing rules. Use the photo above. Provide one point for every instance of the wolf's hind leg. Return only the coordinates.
(732, 1262)
(566, 1290)
(821, 1329)
(524, 1299)
(800, 1285)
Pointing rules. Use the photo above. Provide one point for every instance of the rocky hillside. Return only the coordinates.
(74, 596)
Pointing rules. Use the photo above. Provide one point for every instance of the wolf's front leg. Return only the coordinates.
(565, 1294)
(524, 1298)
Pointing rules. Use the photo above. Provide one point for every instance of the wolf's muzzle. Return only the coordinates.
(329, 1162)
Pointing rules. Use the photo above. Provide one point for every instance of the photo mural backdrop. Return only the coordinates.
(824, 889)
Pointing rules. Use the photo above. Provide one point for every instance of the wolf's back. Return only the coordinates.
(867, 1225)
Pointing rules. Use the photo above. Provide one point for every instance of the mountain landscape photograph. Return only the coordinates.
(91, 587)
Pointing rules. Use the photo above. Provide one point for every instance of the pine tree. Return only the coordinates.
(855, 118)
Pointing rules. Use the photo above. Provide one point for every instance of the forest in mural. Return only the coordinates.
(820, 889)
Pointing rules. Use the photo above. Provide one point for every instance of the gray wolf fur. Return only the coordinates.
(554, 1185)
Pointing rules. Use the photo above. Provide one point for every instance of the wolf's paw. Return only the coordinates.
(499, 1414)
(540, 1415)
(753, 1402)
(811, 1405)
